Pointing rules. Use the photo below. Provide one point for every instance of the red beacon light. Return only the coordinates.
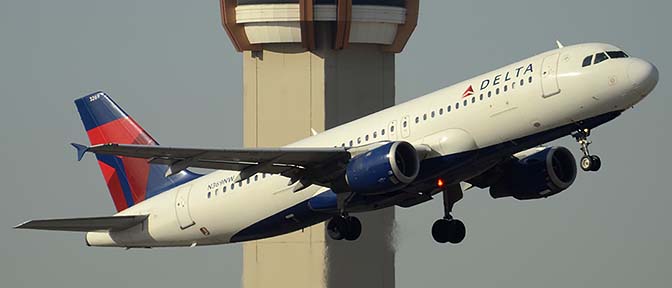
(439, 183)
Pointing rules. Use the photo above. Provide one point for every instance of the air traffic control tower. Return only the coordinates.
(315, 64)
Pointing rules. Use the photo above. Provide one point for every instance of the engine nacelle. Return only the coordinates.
(536, 176)
(383, 169)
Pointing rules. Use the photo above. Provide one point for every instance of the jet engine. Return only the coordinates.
(539, 175)
(383, 169)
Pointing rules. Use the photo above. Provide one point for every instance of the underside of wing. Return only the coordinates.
(294, 162)
(109, 223)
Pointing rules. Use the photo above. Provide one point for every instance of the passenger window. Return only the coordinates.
(209, 194)
(382, 132)
(522, 82)
(424, 117)
(233, 185)
(529, 79)
(248, 181)
(256, 177)
(465, 103)
(433, 113)
(375, 134)
(440, 111)
(587, 61)
(481, 97)
(600, 57)
(223, 189)
(448, 109)
(513, 85)
(473, 99)
(366, 138)
(489, 94)
(417, 119)
(359, 140)
(457, 105)
(506, 88)
(405, 124)
(497, 91)
(240, 184)
(350, 143)
(617, 54)
(392, 128)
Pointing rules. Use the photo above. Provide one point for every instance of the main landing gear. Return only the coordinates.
(344, 226)
(588, 162)
(449, 229)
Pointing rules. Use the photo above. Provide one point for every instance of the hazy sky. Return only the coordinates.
(171, 65)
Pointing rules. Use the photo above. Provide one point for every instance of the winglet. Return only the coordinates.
(81, 150)
(557, 42)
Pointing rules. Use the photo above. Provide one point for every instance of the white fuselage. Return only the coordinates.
(546, 91)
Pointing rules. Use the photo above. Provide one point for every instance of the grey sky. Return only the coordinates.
(170, 64)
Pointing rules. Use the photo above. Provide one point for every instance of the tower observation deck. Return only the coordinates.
(316, 64)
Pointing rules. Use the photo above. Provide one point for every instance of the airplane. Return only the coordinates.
(486, 132)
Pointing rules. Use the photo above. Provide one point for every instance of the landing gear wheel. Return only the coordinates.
(597, 162)
(344, 227)
(591, 163)
(588, 162)
(337, 228)
(354, 228)
(448, 230)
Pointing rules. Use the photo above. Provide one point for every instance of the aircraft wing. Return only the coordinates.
(110, 223)
(290, 162)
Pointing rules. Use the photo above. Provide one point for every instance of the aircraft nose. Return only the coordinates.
(643, 75)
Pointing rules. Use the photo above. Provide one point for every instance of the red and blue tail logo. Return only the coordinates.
(130, 180)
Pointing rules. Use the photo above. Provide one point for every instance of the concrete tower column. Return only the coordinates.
(315, 65)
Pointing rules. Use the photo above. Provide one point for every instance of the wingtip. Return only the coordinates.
(21, 225)
(81, 150)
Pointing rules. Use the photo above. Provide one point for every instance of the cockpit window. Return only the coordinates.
(617, 54)
(599, 57)
(587, 61)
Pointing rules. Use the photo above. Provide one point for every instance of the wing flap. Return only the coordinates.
(88, 224)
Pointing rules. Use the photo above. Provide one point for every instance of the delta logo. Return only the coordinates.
(468, 92)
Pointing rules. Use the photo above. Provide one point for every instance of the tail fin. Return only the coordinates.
(130, 180)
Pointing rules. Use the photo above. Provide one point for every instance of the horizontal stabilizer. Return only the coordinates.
(110, 223)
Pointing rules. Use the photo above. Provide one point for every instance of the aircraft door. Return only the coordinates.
(549, 75)
(405, 127)
(392, 130)
(182, 207)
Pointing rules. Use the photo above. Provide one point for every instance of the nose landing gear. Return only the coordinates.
(448, 229)
(588, 162)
